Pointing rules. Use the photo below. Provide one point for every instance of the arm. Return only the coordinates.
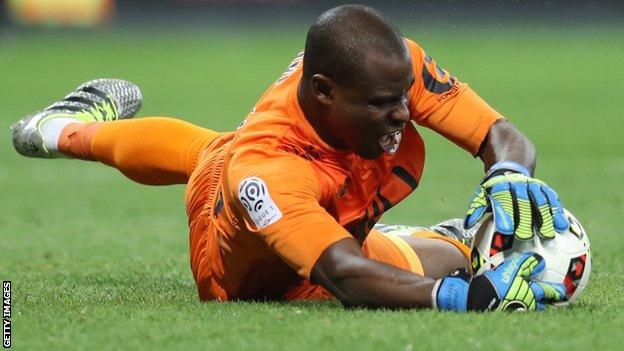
(505, 142)
(521, 205)
(441, 102)
(360, 282)
(312, 242)
(286, 215)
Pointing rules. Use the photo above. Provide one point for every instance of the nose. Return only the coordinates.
(400, 114)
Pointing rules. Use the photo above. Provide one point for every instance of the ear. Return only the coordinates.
(322, 89)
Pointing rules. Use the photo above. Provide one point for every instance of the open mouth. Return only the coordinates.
(390, 142)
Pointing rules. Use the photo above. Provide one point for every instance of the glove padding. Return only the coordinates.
(509, 287)
(520, 204)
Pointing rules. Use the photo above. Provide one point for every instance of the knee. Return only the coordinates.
(438, 257)
(450, 259)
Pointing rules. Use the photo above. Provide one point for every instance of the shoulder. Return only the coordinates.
(258, 146)
(272, 123)
(265, 130)
(268, 184)
(417, 52)
(279, 171)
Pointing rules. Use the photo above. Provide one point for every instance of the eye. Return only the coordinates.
(382, 101)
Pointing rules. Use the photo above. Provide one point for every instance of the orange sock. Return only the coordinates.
(154, 150)
(75, 139)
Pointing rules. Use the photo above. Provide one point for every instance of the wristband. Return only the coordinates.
(451, 293)
(507, 166)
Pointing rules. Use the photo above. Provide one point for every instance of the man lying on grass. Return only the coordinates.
(284, 208)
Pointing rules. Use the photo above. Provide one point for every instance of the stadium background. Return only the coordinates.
(99, 262)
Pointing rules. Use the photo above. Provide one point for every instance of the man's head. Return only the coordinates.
(356, 74)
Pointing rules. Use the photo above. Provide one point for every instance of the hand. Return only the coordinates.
(508, 287)
(520, 204)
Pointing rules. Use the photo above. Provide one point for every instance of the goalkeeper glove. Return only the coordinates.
(520, 204)
(506, 288)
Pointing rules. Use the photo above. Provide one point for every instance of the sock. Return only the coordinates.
(150, 150)
(51, 131)
(75, 139)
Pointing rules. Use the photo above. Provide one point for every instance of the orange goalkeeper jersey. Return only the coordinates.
(271, 196)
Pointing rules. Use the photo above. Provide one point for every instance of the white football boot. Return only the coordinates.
(37, 135)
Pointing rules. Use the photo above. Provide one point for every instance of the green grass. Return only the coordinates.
(98, 262)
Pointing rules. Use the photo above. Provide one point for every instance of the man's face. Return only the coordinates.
(369, 115)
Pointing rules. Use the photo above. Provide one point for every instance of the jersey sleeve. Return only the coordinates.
(277, 195)
(442, 103)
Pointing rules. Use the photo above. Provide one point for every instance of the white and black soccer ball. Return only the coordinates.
(567, 256)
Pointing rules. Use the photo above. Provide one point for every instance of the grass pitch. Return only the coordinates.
(98, 262)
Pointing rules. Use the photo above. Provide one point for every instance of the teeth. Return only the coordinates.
(390, 142)
(386, 139)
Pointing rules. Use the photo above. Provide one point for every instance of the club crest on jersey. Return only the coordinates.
(253, 193)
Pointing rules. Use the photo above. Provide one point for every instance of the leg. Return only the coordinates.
(451, 228)
(438, 255)
(425, 253)
(449, 251)
(154, 150)
(86, 124)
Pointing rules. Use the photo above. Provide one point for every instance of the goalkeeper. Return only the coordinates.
(284, 207)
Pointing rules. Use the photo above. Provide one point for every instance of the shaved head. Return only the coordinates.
(357, 71)
(339, 41)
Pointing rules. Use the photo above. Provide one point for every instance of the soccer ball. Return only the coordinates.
(567, 256)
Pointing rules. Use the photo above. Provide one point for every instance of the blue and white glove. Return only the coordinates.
(508, 287)
(520, 204)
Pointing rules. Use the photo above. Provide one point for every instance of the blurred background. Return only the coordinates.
(553, 68)
(85, 13)
(74, 234)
